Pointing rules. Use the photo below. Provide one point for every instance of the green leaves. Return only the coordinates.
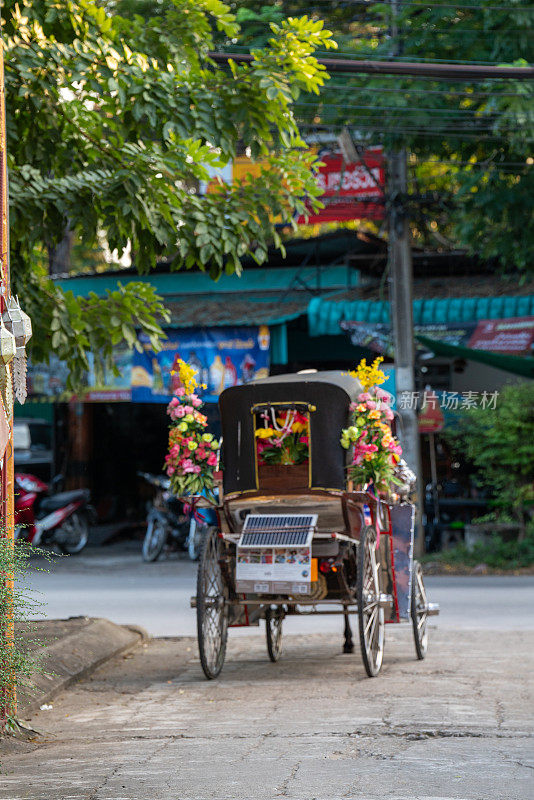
(461, 135)
(498, 441)
(113, 122)
(81, 326)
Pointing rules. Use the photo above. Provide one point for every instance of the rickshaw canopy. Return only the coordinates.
(324, 396)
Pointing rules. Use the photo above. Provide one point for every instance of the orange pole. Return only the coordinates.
(8, 494)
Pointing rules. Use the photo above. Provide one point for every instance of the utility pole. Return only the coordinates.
(401, 305)
(7, 496)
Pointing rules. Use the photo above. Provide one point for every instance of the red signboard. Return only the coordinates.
(351, 191)
(514, 336)
(431, 419)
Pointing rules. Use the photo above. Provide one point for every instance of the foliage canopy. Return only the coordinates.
(112, 124)
(499, 443)
(471, 166)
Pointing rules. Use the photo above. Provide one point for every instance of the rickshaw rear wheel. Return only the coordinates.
(212, 608)
(370, 613)
(274, 618)
(418, 611)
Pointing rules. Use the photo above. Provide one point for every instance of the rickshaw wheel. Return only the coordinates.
(212, 608)
(370, 613)
(274, 618)
(418, 611)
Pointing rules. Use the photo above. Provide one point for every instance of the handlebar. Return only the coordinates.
(155, 480)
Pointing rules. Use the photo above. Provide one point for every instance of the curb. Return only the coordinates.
(75, 656)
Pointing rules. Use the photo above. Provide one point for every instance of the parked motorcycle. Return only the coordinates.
(169, 526)
(43, 516)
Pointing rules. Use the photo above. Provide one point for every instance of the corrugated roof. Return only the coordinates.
(325, 316)
(217, 311)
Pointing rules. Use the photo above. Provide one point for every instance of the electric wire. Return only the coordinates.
(417, 109)
(422, 90)
(431, 6)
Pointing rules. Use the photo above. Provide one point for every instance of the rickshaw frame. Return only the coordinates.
(363, 531)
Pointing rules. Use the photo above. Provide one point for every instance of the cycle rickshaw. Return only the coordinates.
(299, 537)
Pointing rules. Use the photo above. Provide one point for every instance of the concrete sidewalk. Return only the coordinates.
(68, 650)
(147, 726)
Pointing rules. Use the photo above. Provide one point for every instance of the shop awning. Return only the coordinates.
(214, 310)
(326, 315)
(518, 365)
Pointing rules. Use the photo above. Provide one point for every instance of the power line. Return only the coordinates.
(431, 6)
(323, 133)
(356, 52)
(422, 90)
(439, 124)
(430, 69)
(484, 164)
(403, 59)
(320, 104)
(422, 132)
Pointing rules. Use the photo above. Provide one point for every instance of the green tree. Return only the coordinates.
(471, 168)
(498, 441)
(113, 122)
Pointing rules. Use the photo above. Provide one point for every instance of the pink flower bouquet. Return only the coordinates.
(193, 451)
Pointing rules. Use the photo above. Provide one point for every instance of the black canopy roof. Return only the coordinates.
(329, 394)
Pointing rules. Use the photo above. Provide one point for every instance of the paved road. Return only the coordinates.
(457, 726)
(113, 582)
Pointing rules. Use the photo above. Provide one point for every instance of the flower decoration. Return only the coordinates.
(369, 376)
(282, 437)
(375, 451)
(193, 451)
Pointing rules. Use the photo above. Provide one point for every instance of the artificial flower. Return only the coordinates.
(264, 433)
(375, 451)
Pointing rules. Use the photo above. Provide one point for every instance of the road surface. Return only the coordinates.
(114, 582)
(457, 726)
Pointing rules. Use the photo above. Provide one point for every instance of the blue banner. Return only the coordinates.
(222, 357)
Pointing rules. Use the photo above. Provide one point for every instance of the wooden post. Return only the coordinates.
(8, 703)
(401, 304)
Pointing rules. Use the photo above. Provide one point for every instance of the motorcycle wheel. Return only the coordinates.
(73, 535)
(195, 540)
(154, 542)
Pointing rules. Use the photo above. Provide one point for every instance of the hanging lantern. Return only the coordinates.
(8, 346)
(27, 323)
(19, 325)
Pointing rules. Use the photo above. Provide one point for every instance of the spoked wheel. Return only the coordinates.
(195, 539)
(370, 613)
(419, 611)
(274, 618)
(154, 541)
(73, 534)
(212, 608)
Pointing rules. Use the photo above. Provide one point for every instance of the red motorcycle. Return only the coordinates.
(42, 517)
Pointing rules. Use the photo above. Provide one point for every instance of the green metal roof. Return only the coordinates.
(325, 316)
(318, 278)
(517, 365)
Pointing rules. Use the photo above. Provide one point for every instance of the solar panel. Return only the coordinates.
(278, 530)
